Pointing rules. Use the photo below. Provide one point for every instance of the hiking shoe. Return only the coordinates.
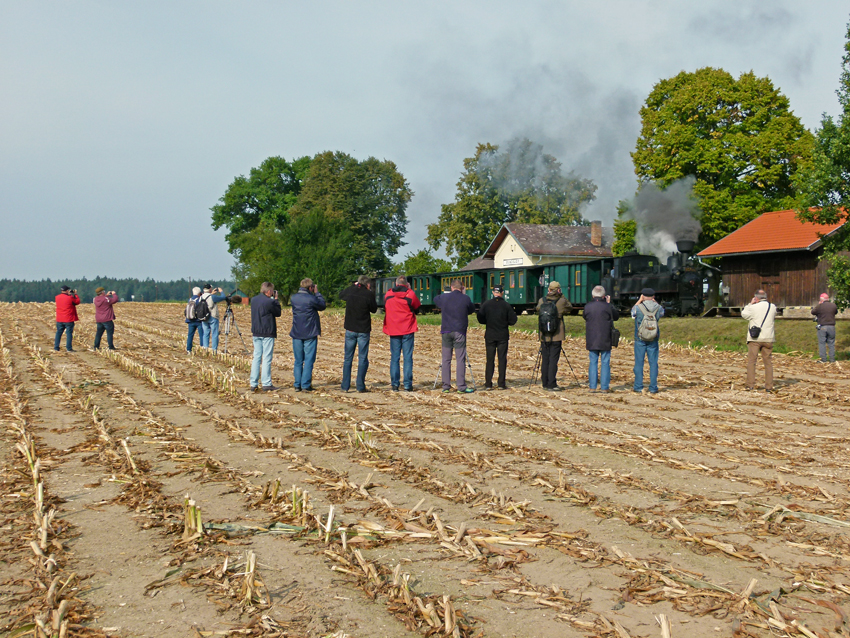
(503, 387)
(409, 390)
(310, 389)
(488, 387)
(270, 388)
(446, 390)
(395, 388)
(364, 390)
(466, 391)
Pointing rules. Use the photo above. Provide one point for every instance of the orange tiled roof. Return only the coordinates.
(771, 232)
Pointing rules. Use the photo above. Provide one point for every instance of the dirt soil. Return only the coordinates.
(704, 510)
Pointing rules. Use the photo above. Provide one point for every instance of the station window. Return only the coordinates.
(512, 279)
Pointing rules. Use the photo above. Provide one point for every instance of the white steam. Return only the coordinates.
(664, 217)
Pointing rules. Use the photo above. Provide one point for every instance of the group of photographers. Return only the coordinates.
(400, 307)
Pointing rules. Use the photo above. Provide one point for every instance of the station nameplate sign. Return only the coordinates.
(512, 262)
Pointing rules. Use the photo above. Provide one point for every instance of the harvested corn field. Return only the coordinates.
(146, 492)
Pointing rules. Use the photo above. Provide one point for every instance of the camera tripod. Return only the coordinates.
(538, 361)
(230, 321)
(468, 367)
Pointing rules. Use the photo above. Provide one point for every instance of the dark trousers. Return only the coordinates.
(104, 326)
(494, 347)
(68, 328)
(551, 353)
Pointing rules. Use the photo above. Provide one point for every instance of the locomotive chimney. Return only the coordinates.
(685, 246)
(596, 233)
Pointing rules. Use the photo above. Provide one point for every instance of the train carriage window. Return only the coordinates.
(521, 273)
(578, 277)
(492, 279)
(512, 279)
(502, 279)
(428, 284)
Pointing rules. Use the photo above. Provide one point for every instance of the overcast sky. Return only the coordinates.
(122, 123)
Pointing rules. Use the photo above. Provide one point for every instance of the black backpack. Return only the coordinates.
(202, 309)
(548, 322)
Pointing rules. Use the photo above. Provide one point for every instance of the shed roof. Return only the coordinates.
(553, 240)
(777, 231)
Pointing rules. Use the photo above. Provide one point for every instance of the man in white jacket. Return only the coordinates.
(761, 315)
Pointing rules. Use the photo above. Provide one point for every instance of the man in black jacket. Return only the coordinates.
(360, 303)
(497, 314)
(265, 308)
(599, 315)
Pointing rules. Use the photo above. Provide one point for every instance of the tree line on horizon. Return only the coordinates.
(14, 290)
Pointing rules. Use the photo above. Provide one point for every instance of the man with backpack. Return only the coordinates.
(550, 323)
(191, 315)
(646, 312)
(497, 314)
(210, 326)
(265, 309)
(599, 317)
(761, 315)
(455, 308)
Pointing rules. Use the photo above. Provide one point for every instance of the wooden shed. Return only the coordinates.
(775, 252)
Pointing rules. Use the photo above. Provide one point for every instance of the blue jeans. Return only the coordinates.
(650, 349)
(68, 328)
(359, 340)
(305, 356)
(212, 328)
(594, 372)
(402, 345)
(263, 351)
(204, 331)
(194, 326)
(109, 328)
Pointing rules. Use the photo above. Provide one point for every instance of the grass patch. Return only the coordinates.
(721, 333)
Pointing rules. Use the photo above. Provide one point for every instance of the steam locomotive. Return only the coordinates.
(679, 283)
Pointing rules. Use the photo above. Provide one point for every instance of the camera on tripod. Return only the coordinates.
(233, 298)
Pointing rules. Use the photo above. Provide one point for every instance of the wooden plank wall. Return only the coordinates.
(790, 279)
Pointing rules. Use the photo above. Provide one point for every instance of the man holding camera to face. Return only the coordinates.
(265, 308)
(360, 303)
(761, 317)
(66, 314)
(104, 316)
(599, 317)
(210, 327)
(306, 328)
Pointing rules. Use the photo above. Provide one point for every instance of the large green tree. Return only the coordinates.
(267, 194)
(520, 184)
(369, 196)
(825, 185)
(331, 218)
(737, 138)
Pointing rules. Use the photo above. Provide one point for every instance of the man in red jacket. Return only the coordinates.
(400, 306)
(104, 316)
(66, 314)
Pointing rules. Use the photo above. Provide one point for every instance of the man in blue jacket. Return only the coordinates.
(455, 306)
(306, 328)
(265, 308)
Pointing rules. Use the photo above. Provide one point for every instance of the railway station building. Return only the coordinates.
(517, 245)
(775, 252)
